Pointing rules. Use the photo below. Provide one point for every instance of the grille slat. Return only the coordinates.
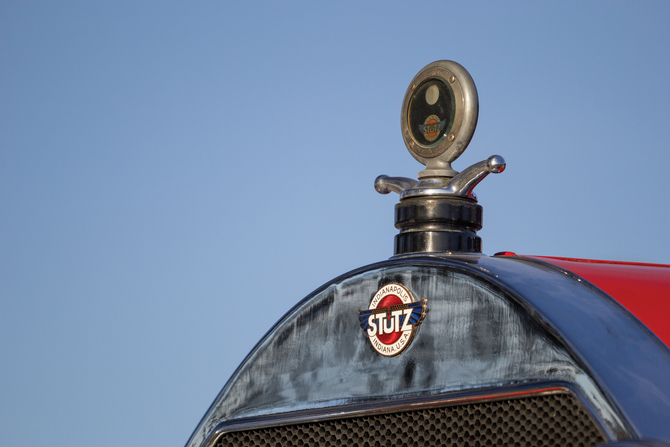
(547, 420)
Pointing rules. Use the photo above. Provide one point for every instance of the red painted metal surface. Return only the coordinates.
(643, 289)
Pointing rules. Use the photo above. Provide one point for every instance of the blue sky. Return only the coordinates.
(164, 165)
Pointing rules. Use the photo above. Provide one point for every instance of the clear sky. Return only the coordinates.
(174, 176)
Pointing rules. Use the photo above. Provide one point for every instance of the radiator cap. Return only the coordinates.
(439, 212)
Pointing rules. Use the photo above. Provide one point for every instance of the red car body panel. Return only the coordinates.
(643, 289)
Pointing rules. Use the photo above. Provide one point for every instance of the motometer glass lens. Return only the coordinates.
(431, 112)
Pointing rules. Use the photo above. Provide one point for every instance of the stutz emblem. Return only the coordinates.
(392, 319)
(431, 127)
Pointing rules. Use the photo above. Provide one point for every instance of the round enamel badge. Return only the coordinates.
(431, 127)
(392, 319)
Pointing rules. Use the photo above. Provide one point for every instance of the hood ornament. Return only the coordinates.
(439, 212)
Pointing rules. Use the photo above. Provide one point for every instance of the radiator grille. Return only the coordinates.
(554, 419)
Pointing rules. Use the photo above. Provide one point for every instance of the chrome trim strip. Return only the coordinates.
(406, 405)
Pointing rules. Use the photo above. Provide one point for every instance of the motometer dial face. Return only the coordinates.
(430, 114)
(439, 112)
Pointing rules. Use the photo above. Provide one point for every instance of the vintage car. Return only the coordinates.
(443, 345)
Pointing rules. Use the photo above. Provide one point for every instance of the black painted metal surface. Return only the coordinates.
(491, 322)
(629, 363)
(444, 224)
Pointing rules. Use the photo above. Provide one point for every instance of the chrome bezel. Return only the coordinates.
(438, 157)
